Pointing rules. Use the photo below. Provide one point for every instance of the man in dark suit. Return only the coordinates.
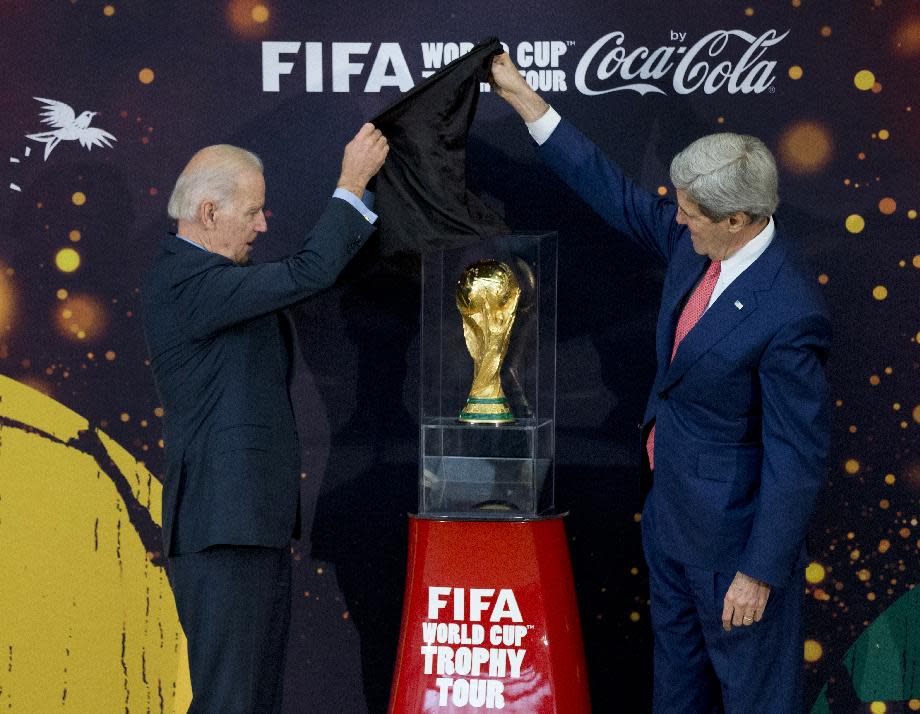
(221, 354)
(736, 428)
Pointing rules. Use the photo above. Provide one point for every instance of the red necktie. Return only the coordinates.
(691, 314)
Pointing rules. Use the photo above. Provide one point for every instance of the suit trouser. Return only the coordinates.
(234, 604)
(701, 668)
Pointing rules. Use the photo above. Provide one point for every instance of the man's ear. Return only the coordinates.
(737, 221)
(206, 211)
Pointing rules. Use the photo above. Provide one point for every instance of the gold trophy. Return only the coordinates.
(487, 298)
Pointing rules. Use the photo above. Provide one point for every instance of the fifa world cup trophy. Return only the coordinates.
(487, 298)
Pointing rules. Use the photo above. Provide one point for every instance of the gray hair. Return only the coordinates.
(211, 175)
(728, 173)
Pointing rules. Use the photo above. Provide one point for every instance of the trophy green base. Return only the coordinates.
(486, 410)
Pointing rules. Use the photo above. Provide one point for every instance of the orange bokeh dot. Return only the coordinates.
(795, 72)
(248, 18)
(806, 147)
(662, 190)
(887, 206)
(826, 31)
(108, 10)
(81, 317)
(906, 39)
(146, 75)
(7, 302)
(823, 279)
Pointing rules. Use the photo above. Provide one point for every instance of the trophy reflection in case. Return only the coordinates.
(490, 619)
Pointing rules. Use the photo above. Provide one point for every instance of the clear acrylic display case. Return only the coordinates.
(481, 470)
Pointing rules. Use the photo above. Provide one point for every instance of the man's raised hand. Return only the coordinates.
(364, 155)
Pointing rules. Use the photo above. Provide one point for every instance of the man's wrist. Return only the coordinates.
(530, 105)
(357, 189)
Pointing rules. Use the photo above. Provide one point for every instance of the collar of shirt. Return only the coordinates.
(190, 242)
(735, 265)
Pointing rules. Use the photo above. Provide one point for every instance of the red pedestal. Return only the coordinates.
(489, 620)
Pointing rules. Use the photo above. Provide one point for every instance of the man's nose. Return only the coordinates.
(261, 223)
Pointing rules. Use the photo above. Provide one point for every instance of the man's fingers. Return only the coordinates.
(727, 616)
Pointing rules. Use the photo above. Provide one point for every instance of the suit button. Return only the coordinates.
(663, 396)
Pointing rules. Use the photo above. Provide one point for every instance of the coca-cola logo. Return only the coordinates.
(711, 64)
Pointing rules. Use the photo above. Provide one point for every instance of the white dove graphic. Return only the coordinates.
(67, 127)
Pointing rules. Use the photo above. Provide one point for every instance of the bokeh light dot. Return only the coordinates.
(634, 616)
(883, 134)
(890, 479)
(81, 317)
(863, 574)
(813, 650)
(880, 292)
(884, 545)
(125, 417)
(78, 198)
(260, 13)
(914, 705)
(74, 236)
(887, 205)
(823, 279)
(806, 147)
(662, 190)
(146, 75)
(814, 573)
(915, 261)
(884, 504)
(826, 31)
(864, 79)
(878, 708)
(874, 380)
(916, 413)
(855, 223)
(749, 11)
(795, 72)
(67, 260)
(110, 356)
(108, 10)
(877, 87)
(851, 466)
(854, 554)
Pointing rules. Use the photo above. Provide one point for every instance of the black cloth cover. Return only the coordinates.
(421, 194)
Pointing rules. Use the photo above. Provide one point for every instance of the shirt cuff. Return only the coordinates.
(348, 196)
(542, 128)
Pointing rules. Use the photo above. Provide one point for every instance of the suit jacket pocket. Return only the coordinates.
(241, 436)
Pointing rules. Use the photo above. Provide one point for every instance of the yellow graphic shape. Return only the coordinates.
(88, 623)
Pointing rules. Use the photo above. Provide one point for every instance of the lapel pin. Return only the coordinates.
(739, 304)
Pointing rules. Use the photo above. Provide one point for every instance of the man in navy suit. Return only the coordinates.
(221, 352)
(736, 428)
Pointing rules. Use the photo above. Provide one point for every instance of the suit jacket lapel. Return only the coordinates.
(725, 314)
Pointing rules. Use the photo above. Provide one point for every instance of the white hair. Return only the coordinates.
(728, 173)
(211, 175)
